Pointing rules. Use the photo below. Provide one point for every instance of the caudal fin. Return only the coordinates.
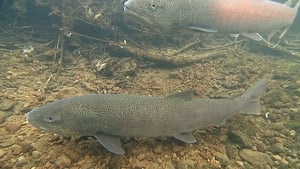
(252, 95)
(297, 5)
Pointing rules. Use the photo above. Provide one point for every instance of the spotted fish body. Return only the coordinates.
(111, 116)
(246, 17)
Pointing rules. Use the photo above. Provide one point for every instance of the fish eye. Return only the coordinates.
(153, 5)
(49, 119)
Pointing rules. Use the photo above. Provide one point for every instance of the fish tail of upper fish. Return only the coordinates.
(252, 97)
(258, 37)
(296, 7)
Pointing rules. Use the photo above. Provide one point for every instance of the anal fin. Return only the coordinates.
(111, 143)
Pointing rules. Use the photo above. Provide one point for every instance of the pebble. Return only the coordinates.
(21, 161)
(36, 154)
(138, 150)
(239, 163)
(277, 148)
(231, 151)
(7, 143)
(168, 165)
(159, 160)
(214, 163)
(4, 115)
(141, 157)
(255, 157)
(63, 161)
(280, 159)
(240, 137)
(185, 164)
(158, 149)
(7, 105)
(261, 146)
(115, 88)
(2, 119)
(222, 157)
(176, 75)
(26, 147)
(16, 149)
(176, 149)
(115, 161)
(2, 153)
(291, 132)
(12, 126)
(67, 91)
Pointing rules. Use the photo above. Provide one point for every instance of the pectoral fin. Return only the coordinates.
(111, 143)
(186, 137)
(253, 36)
(202, 29)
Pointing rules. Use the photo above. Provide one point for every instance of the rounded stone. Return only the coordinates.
(12, 127)
(158, 149)
(7, 105)
(36, 154)
(277, 148)
(21, 162)
(2, 119)
(255, 157)
(222, 157)
(2, 153)
(4, 115)
(16, 149)
(185, 164)
(63, 161)
(232, 151)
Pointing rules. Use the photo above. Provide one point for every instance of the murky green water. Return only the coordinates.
(51, 50)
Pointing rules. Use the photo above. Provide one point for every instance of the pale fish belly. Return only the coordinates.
(250, 16)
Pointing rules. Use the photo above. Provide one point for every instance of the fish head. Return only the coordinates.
(53, 117)
(150, 12)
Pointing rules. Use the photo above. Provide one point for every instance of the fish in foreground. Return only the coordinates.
(111, 116)
(246, 17)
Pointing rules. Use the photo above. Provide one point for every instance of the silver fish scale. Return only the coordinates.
(107, 114)
(111, 116)
(198, 8)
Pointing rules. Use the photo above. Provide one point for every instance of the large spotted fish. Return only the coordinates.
(246, 17)
(111, 116)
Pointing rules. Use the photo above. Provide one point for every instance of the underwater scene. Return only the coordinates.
(150, 84)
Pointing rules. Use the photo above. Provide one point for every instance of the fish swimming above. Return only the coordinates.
(111, 116)
(246, 17)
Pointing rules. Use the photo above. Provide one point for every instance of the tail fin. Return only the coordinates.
(252, 95)
(297, 5)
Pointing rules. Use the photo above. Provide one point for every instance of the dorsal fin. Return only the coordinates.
(185, 95)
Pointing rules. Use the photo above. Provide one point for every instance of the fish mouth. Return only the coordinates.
(27, 116)
(29, 120)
